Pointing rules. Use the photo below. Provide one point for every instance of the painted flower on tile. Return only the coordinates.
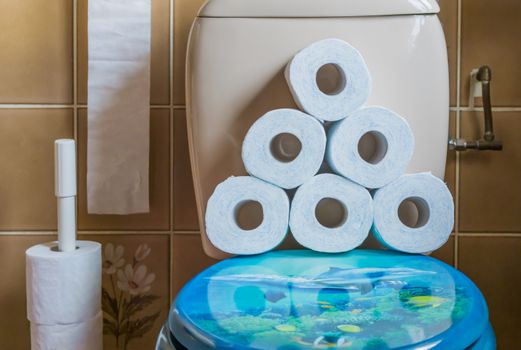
(135, 281)
(142, 252)
(113, 258)
(126, 301)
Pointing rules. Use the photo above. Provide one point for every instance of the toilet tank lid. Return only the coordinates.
(316, 8)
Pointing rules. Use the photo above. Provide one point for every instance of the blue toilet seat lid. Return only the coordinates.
(362, 299)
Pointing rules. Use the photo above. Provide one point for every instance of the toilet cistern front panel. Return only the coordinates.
(235, 74)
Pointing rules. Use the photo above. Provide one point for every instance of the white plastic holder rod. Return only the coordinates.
(65, 191)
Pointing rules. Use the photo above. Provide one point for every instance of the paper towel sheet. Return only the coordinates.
(118, 106)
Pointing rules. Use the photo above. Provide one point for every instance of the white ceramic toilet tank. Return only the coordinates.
(238, 51)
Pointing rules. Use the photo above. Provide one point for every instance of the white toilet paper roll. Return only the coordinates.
(372, 147)
(435, 208)
(63, 287)
(347, 64)
(271, 149)
(86, 335)
(342, 233)
(222, 209)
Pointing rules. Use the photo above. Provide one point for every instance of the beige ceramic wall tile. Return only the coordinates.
(160, 48)
(185, 12)
(490, 194)
(185, 210)
(138, 252)
(36, 45)
(14, 327)
(490, 35)
(188, 259)
(449, 19)
(158, 218)
(493, 264)
(27, 168)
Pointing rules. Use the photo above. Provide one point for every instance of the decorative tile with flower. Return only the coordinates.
(125, 301)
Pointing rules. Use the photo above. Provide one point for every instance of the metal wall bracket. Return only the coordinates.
(483, 75)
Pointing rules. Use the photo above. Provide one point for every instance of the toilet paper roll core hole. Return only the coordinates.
(372, 147)
(414, 212)
(249, 215)
(331, 213)
(331, 79)
(285, 147)
(57, 249)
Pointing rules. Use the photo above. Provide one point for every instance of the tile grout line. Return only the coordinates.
(186, 232)
(83, 232)
(172, 149)
(36, 105)
(458, 134)
(75, 53)
(75, 92)
(124, 232)
(497, 234)
(480, 109)
(28, 233)
(183, 107)
(61, 106)
(194, 232)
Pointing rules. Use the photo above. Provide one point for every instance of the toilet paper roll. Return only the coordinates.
(222, 210)
(86, 335)
(347, 64)
(271, 149)
(343, 233)
(372, 147)
(63, 287)
(435, 218)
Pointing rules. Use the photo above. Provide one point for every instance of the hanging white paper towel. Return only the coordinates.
(63, 287)
(118, 106)
(221, 211)
(87, 335)
(268, 157)
(435, 209)
(354, 80)
(391, 150)
(352, 228)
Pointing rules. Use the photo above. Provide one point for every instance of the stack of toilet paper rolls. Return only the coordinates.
(64, 297)
(317, 155)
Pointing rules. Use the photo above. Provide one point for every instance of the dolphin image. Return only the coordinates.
(361, 280)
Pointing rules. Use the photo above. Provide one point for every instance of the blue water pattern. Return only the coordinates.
(306, 300)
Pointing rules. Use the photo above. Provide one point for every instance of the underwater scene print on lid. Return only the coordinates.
(307, 300)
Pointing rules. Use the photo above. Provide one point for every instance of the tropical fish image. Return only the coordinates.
(427, 300)
(274, 296)
(285, 328)
(349, 328)
(337, 307)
